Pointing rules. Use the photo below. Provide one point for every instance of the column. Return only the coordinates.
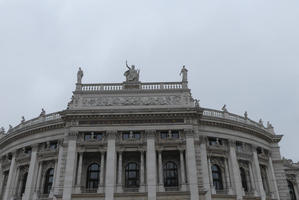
(206, 169)
(151, 166)
(70, 167)
(183, 174)
(258, 175)
(33, 167)
(51, 195)
(213, 190)
(120, 169)
(79, 173)
(101, 185)
(273, 183)
(142, 188)
(15, 183)
(227, 176)
(236, 177)
(251, 174)
(37, 184)
(59, 166)
(160, 165)
(110, 167)
(191, 165)
(9, 184)
(1, 179)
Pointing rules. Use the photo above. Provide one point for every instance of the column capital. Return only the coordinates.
(189, 133)
(150, 133)
(111, 134)
(232, 143)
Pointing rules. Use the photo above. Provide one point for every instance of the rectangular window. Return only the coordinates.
(137, 135)
(126, 135)
(239, 146)
(87, 136)
(212, 141)
(98, 136)
(164, 134)
(175, 134)
(53, 145)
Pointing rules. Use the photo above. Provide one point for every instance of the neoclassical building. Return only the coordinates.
(143, 141)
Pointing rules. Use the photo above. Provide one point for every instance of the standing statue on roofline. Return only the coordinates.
(184, 73)
(79, 76)
(132, 75)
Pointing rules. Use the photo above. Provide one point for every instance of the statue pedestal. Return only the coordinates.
(131, 85)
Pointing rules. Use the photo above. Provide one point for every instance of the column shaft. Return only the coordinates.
(58, 172)
(236, 177)
(31, 175)
(182, 161)
(151, 167)
(252, 183)
(9, 184)
(160, 164)
(102, 169)
(141, 168)
(110, 168)
(120, 168)
(79, 174)
(205, 169)
(258, 175)
(191, 166)
(69, 170)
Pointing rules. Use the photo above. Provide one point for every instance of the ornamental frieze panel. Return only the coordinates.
(131, 101)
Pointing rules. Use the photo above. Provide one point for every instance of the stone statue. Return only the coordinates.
(184, 73)
(269, 125)
(79, 76)
(224, 109)
(132, 75)
(10, 127)
(246, 115)
(23, 119)
(43, 113)
(197, 103)
(261, 122)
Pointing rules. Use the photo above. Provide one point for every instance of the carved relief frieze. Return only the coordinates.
(132, 101)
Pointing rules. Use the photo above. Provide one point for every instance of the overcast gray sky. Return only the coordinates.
(243, 53)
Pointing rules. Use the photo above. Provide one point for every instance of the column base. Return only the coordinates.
(161, 188)
(184, 187)
(142, 188)
(230, 191)
(77, 190)
(213, 190)
(119, 188)
(100, 190)
(35, 196)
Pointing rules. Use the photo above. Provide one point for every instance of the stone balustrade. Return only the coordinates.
(233, 117)
(120, 86)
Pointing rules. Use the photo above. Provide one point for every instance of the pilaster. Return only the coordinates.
(151, 166)
(191, 165)
(183, 173)
(59, 166)
(120, 168)
(142, 186)
(79, 173)
(258, 175)
(101, 185)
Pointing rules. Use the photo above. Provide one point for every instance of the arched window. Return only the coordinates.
(132, 175)
(244, 179)
(24, 180)
(93, 172)
(170, 174)
(49, 181)
(217, 177)
(292, 191)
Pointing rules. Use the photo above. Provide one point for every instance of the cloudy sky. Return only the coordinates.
(243, 53)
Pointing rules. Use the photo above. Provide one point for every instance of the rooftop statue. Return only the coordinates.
(132, 75)
(43, 113)
(79, 76)
(2, 130)
(224, 109)
(184, 73)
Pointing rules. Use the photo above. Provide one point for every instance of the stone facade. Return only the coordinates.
(145, 141)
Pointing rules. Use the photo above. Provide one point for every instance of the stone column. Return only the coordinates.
(258, 175)
(273, 182)
(101, 185)
(15, 183)
(9, 184)
(51, 195)
(142, 189)
(151, 166)
(38, 182)
(191, 165)
(213, 190)
(206, 169)
(236, 177)
(110, 167)
(160, 165)
(120, 169)
(79, 173)
(70, 166)
(227, 176)
(1, 179)
(59, 166)
(251, 174)
(32, 173)
(183, 173)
